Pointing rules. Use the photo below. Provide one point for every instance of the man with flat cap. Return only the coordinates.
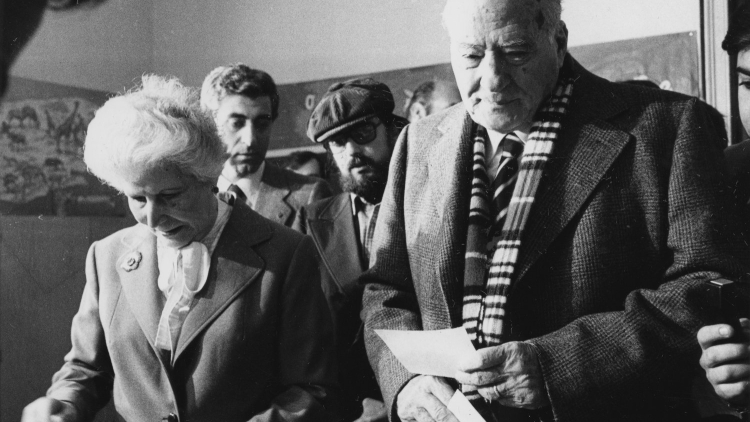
(355, 122)
(568, 223)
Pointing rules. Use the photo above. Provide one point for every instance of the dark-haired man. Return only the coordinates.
(355, 122)
(245, 104)
(568, 223)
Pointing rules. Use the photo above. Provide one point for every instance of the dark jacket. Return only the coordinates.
(331, 224)
(630, 219)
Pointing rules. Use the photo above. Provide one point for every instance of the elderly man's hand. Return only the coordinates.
(45, 409)
(727, 365)
(425, 399)
(509, 374)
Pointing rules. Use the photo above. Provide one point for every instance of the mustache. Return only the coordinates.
(359, 160)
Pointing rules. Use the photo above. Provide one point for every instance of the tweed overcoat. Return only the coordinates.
(256, 345)
(632, 216)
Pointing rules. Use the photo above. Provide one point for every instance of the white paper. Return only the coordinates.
(462, 409)
(434, 352)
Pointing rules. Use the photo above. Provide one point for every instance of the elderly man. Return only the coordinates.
(431, 97)
(245, 103)
(568, 223)
(355, 122)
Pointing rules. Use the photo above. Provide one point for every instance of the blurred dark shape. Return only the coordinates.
(19, 19)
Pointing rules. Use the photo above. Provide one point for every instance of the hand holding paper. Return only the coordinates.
(434, 354)
(509, 374)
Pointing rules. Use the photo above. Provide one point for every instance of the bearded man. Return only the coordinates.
(356, 124)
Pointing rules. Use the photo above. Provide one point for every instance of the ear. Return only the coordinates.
(417, 111)
(561, 41)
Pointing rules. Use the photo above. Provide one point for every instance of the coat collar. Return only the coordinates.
(450, 173)
(239, 264)
(586, 149)
(272, 198)
(332, 228)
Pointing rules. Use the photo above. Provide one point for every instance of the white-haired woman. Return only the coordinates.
(204, 311)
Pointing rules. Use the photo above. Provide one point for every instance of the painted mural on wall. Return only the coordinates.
(41, 166)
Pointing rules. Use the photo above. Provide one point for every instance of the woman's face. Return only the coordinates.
(176, 207)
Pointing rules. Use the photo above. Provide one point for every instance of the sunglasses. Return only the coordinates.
(361, 134)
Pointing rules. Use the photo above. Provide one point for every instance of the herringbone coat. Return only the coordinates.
(631, 217)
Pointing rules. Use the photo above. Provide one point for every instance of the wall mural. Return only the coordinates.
(41, 166)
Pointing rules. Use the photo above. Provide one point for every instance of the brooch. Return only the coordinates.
(131, 261)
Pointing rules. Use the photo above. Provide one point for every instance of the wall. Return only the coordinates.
(300, 41)
(107, 47)
(103, 48)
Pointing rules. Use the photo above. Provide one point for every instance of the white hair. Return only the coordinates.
(157, 124)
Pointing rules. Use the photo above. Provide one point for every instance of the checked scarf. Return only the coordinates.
(490, 263)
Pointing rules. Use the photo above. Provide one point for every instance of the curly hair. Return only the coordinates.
(238, 79)
(738, 34)
(157, 124)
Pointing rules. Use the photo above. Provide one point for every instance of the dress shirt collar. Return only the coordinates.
(250, 184)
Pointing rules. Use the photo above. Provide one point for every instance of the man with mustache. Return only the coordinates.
(355, 122)
(568, 223)
(245, 104)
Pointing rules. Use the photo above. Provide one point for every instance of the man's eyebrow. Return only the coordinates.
(742, 70)
(468, 45)
(237, 115)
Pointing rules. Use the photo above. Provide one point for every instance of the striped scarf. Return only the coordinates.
(489, 270)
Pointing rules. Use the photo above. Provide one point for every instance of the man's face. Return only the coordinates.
(743, 90)
(505, 64)
(245, 127)
(363, 168)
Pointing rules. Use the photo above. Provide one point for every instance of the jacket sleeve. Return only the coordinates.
(307, 365)
(607, 362)
(389, 300)
(86, 378)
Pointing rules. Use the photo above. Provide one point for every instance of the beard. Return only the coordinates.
(369, 186)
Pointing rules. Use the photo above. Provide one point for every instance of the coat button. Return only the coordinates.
(170, 418)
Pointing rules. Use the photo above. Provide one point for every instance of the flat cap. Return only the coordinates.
(348, 103)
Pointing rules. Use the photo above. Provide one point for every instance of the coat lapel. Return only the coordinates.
(335, 235)
(140, 284)
(585, 151)
(234, 267)
(274, 189)
(449, 175)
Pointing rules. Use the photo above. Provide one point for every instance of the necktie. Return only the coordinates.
(370, 232)
(238, 193)
(501, 188)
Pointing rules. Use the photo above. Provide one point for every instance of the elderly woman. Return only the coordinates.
(204, 310)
